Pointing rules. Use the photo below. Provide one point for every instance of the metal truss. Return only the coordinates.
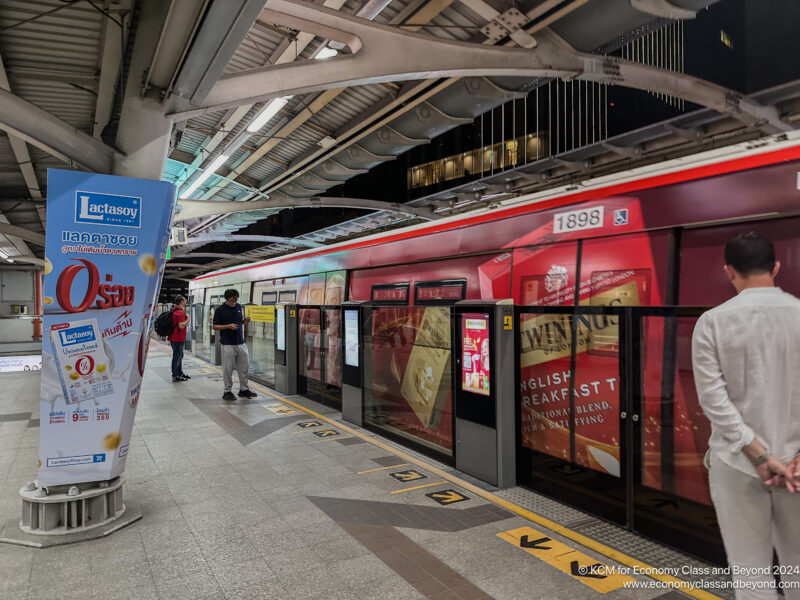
(193, 209)
(385, 54)
(39, 128)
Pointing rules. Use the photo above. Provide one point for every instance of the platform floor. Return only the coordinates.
(278, 498)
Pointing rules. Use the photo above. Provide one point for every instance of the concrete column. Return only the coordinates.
(144, 129)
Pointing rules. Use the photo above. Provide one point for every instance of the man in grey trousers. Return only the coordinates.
(229, 320)
(745, 354)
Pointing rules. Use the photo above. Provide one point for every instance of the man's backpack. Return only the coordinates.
(164, 324)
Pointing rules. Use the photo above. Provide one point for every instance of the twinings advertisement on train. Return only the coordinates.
(106, 246)
(617, 271)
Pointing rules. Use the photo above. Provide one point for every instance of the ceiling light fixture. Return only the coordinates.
(208, 172)
(269, 111)
(326, 53)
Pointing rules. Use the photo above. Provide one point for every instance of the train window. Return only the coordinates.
(445, 291)
(288, 296)
(269, 297)
(390, 293)
(216, 300)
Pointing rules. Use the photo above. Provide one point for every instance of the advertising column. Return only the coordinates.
(106, 245)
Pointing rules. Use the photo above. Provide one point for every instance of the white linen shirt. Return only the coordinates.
(745, 356)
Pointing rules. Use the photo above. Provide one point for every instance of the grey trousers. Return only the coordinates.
(754, 519)
(238, 358)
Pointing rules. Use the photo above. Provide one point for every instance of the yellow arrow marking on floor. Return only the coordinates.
(326, 433)
(309, 424)
(587, 570)
(281, 409)
(447, 496)
(409, 475)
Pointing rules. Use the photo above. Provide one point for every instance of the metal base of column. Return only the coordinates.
(68, 515)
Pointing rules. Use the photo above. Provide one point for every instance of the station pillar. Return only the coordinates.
(286, 340)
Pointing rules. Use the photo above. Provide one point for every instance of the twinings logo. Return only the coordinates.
(555, 279)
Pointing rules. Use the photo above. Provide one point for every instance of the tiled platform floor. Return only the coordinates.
(241, 501)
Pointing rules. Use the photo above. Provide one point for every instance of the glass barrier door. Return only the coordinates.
(203, 345)
(261, 343)
(671, 499)
(320, 353)
(609, 420)
(571, 407)
(408, 366)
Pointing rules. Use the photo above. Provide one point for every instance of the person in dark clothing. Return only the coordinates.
(177, 339)
(230, 321)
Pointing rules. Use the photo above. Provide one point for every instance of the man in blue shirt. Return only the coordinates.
(229, 320)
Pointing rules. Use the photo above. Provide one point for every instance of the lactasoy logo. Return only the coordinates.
(108, 209)
(77, 335)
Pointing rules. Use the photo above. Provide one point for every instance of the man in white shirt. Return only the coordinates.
(745, 356)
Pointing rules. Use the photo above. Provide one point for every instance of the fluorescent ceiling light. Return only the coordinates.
(269, 111)
(326, 53)
(208, 172)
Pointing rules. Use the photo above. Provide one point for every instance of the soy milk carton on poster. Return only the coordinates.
(106, 246)
(81, 361)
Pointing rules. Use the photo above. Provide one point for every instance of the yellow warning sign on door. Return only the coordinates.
(589, 571)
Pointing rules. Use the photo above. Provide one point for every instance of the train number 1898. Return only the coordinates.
(577, 220)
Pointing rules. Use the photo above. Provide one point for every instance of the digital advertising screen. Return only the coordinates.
(475, 364)
(280, 329)
(351, 338)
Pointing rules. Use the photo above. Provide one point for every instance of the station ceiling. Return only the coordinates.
(207, 66)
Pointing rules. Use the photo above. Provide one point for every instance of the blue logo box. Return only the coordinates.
(77, 335)
(93, 208)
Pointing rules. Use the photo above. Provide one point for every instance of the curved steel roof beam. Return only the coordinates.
(21, 233)
(39, 128)
(383, 54)
(193, 209)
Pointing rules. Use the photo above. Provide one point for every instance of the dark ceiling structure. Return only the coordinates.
(288, 125)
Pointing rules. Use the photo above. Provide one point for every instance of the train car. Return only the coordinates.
(648, 237)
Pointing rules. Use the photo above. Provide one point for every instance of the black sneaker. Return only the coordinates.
(247, 394)
(184, 376)
(229, 397)
(177, 379)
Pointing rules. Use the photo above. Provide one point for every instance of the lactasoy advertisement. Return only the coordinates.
(106, 246)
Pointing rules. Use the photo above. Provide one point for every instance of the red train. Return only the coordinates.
(653, 236)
